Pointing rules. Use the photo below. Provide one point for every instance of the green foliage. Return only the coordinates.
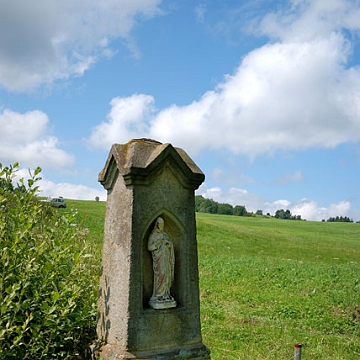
(210, 206)
(225, 209)
(286, 215)
(339, 219)
(206, 205)
(47, 284)
(240, 210)
(5, 184)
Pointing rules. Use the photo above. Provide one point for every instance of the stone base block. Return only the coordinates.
(194, 352)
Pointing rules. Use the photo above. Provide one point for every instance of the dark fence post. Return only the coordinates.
(297, 353)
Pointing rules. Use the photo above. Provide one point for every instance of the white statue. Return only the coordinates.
(162, 250)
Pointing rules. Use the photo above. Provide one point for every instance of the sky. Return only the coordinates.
(263, 95)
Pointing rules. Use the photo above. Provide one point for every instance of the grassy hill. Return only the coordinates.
(266, 284)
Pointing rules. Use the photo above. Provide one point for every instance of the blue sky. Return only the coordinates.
(263, 95)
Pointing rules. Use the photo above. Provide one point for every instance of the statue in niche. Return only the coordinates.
(162, 250)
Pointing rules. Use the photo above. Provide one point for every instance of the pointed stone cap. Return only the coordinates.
(139, 160)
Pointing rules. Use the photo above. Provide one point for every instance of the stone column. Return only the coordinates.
(149, 288)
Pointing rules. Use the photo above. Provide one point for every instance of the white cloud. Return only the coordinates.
(290, 177)
(48, 188)
(279, 203)
(46, 40)
(306, 20)
(312, 211)
(308, 209)
(218, 174)
(126, 120)
(70, 191)
(342, 207)
(25, 138)
(200, 11)
(285, 95)
(233, 196)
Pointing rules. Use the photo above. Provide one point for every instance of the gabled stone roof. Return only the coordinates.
(139, 159)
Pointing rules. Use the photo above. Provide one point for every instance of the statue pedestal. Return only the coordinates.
(159, 305)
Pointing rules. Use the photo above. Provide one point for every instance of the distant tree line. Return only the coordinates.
(286, 215)
(210, 206)
(339, 219)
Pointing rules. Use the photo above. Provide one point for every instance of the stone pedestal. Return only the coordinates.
(147, 181)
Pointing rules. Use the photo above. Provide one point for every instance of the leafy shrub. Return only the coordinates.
(47, 306)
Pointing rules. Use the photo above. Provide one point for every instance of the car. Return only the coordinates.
(58, 202)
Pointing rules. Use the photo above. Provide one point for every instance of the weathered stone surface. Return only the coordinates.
(146, 180)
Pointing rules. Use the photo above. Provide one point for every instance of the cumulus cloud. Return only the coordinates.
(70, 191)
(47, 40)
(308, 209)
(311, 210)
(25, 138)
(294, 93)
(234, 196)
(126, 120)
(306, 20)
(49, 188)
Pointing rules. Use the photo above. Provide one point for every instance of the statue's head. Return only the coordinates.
(159, 225)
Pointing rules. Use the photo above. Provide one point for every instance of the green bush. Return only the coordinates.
(47, 292)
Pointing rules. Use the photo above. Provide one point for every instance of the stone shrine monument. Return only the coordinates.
(149, 287)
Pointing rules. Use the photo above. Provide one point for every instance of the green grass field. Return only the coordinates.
(266, 284)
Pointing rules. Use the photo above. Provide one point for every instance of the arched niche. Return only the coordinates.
(178, 234)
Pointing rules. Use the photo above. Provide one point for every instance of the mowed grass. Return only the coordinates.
(266, 284)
